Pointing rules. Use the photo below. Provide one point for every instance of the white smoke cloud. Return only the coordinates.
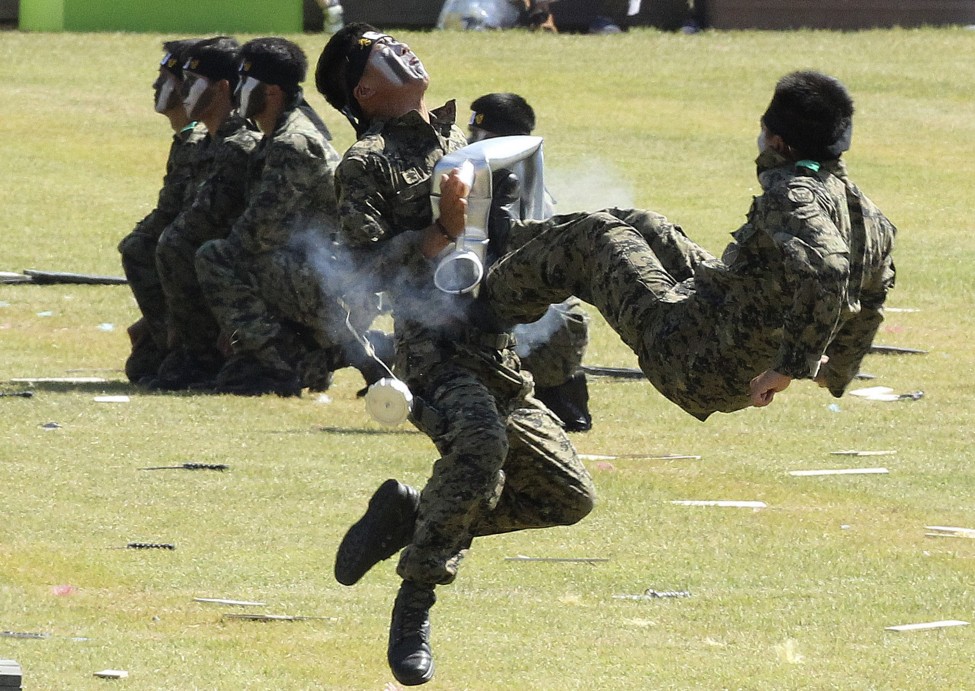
(587, 186)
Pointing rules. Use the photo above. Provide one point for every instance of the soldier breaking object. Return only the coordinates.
(506, 464)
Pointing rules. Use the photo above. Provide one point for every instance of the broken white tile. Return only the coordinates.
(927, 625)
(734, 504)
(236, 603)
(839, 471)
(949, 531)
(60, 380)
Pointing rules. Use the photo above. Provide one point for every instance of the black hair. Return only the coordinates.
(813, 113)
(215, 58)
(503, 114)
(274, 60)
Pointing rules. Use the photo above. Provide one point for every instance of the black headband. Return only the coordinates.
(497, 124)
(171, 64)
(355, 64)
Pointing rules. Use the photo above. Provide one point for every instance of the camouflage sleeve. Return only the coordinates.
(379, 251)
(219, 198)
(294, 171)
(815, 270)
(854, 339)
(179, 175)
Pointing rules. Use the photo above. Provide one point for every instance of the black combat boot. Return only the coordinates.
(570, 402)
(183, 369)
(409, 654)
(385, 529)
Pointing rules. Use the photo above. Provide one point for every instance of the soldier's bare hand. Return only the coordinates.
(762, 389)
(453, 203)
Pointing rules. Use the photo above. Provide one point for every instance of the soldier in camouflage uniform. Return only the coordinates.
(271, 267)
(138, 248)
(210, 77)
(505, 463)
(798, 294)
(551, 348)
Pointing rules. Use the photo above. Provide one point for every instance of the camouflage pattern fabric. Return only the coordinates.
(471, 399)
(273, 264)
(552, 348)
(806, 275)
(218, 200)
(138, 248)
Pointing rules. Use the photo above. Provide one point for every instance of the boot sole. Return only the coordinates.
(351, 560)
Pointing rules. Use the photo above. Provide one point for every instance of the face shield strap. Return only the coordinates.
(355, 65)
(842, 144)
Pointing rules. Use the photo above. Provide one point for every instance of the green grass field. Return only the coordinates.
(793, 596)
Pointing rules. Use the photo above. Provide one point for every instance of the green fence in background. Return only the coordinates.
(171, 16)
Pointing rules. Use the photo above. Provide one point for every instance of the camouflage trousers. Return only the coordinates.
(505, 462)
(138, 252)
(552, 348)
(630, 265)
(190, 323)
(252, 294)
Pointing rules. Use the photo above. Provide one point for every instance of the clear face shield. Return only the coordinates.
(196, 96)
(167, 91)
(395, 60)
(461, 269)
(250, 97)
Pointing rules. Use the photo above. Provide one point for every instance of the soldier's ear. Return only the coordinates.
(363, 92)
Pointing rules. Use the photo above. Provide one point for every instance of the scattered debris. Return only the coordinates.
(23, 634)
(111, 399)
(788, 651)
(895, 350)
(53, 277)
(615, 372)
(885, 393)
(106, 326)
(948, 531)
(864, 375)
(649, 457)
(734, 504)
(582, 560)
(927, 625)
(149, 545)
(16, 394)
(112, 674)
(901, 309)
(190, 466)
(853, 452)
(230, 603)
(59, 380)
(651, 594)
(50, 425)
(839, 471)
(275, 617)
(11, 676)
(13, 277)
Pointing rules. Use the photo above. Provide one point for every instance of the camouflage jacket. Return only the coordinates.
(177, 188)
(806, 276)
(219, 193)
(290, 186)
(383, 185)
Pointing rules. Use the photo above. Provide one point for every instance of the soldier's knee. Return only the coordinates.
(582, 506)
